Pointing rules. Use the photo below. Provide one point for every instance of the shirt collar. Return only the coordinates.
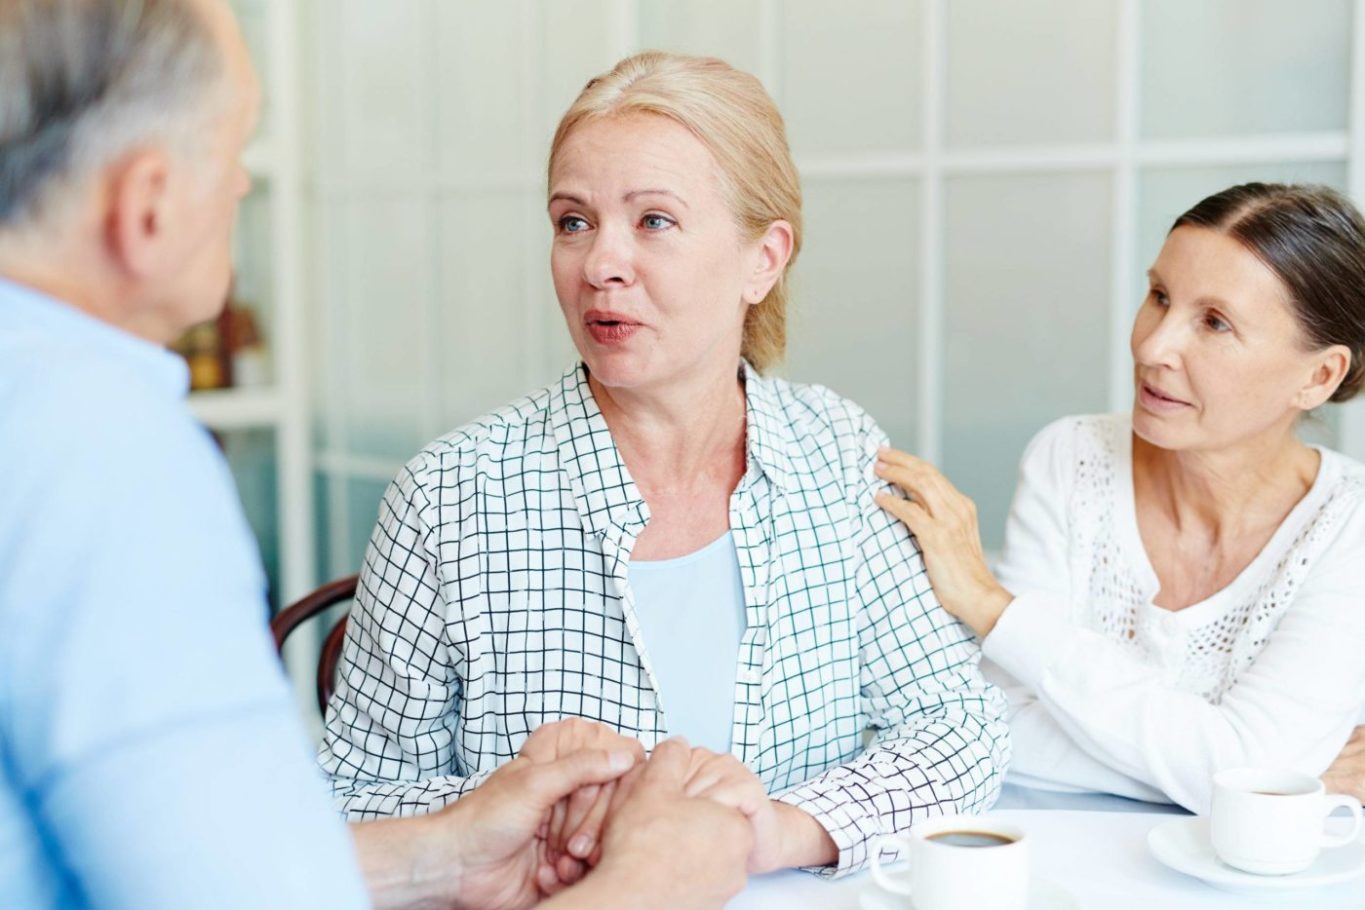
(25, 309)
(607, 495)
(770, 442)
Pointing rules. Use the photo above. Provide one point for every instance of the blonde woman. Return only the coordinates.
(667, 540)
(1182, 588)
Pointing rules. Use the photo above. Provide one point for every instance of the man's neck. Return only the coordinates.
(78, 282)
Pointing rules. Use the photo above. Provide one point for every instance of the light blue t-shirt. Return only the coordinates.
(150, 756)
(691, 615)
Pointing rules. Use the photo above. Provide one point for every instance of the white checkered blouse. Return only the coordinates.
(494, 598)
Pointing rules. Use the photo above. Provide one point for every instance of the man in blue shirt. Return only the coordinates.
(149, 754)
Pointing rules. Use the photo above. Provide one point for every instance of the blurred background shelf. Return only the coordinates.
(237, 409)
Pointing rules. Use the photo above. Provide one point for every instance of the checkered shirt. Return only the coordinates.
(494, 598)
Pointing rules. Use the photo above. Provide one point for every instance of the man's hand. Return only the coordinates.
(663, 849)
(574, 828)
(486, 849)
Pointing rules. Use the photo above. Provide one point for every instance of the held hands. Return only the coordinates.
(726, 780)
(496, 834)
(664, 846)
(1347, 773)
(572, 829)
(944, 522)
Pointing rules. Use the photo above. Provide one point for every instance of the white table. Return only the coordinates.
(1100, 858)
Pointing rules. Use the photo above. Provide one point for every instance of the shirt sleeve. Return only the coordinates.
(147, 722)
(941, 743)
(1294, 706)
(390, 728)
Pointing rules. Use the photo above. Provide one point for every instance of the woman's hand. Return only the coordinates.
(661, 848)
(726, 780)
(573, 828)
(944, 522)
(1347, 773)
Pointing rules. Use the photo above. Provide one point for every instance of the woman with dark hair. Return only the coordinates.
(1182, 588)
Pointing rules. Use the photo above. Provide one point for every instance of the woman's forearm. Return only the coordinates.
(805, 842)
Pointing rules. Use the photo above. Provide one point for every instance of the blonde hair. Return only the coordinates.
(732, 115)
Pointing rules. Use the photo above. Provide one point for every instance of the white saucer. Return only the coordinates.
(1183, 844)
(1042, 895)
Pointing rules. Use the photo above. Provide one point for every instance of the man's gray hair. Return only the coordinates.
(83, 81)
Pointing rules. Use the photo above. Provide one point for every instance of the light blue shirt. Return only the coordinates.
(150, 756)
(691, 615)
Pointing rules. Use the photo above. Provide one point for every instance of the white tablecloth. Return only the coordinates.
(1100, 858)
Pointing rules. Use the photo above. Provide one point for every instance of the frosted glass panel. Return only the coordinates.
(324, 566)
(481, 99)
(385, 79)
(252, 18)
(484, 316)
(363, 495)
(728, 29)
(851, 80)
(1035, 72)
(326, 323)
(852, 324)
(1027, 324)
(388, 264)
(251, 456)
(322, 68)
(1232, 67)
(1164, 194)
(575, 45)
(253, 258)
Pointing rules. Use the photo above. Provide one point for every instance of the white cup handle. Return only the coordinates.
(1336, 801)
(903, 843)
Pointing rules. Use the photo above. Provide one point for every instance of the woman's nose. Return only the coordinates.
(608, 262)
(1158, 342)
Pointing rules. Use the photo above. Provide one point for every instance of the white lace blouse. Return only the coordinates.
(1111, 693)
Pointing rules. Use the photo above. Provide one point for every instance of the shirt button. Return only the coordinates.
(1170, 625)
(750, 677)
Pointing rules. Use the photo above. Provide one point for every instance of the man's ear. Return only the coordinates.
(774, 252)
(138, 191)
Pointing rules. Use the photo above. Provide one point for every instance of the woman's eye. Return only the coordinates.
(1160, 298)
(656, 222)
(1216, 323)
(572, 224)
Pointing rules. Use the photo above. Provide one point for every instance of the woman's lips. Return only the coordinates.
(612, 332)
(609, 328)
(1153, 400)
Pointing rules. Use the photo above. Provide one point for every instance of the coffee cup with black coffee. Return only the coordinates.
(957, 863)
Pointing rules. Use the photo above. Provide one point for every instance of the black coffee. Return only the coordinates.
(970, 839)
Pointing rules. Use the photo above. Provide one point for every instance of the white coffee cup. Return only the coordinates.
(1270, 821)
(958, 862)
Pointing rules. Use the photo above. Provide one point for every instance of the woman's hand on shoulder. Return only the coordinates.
(944, 522)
